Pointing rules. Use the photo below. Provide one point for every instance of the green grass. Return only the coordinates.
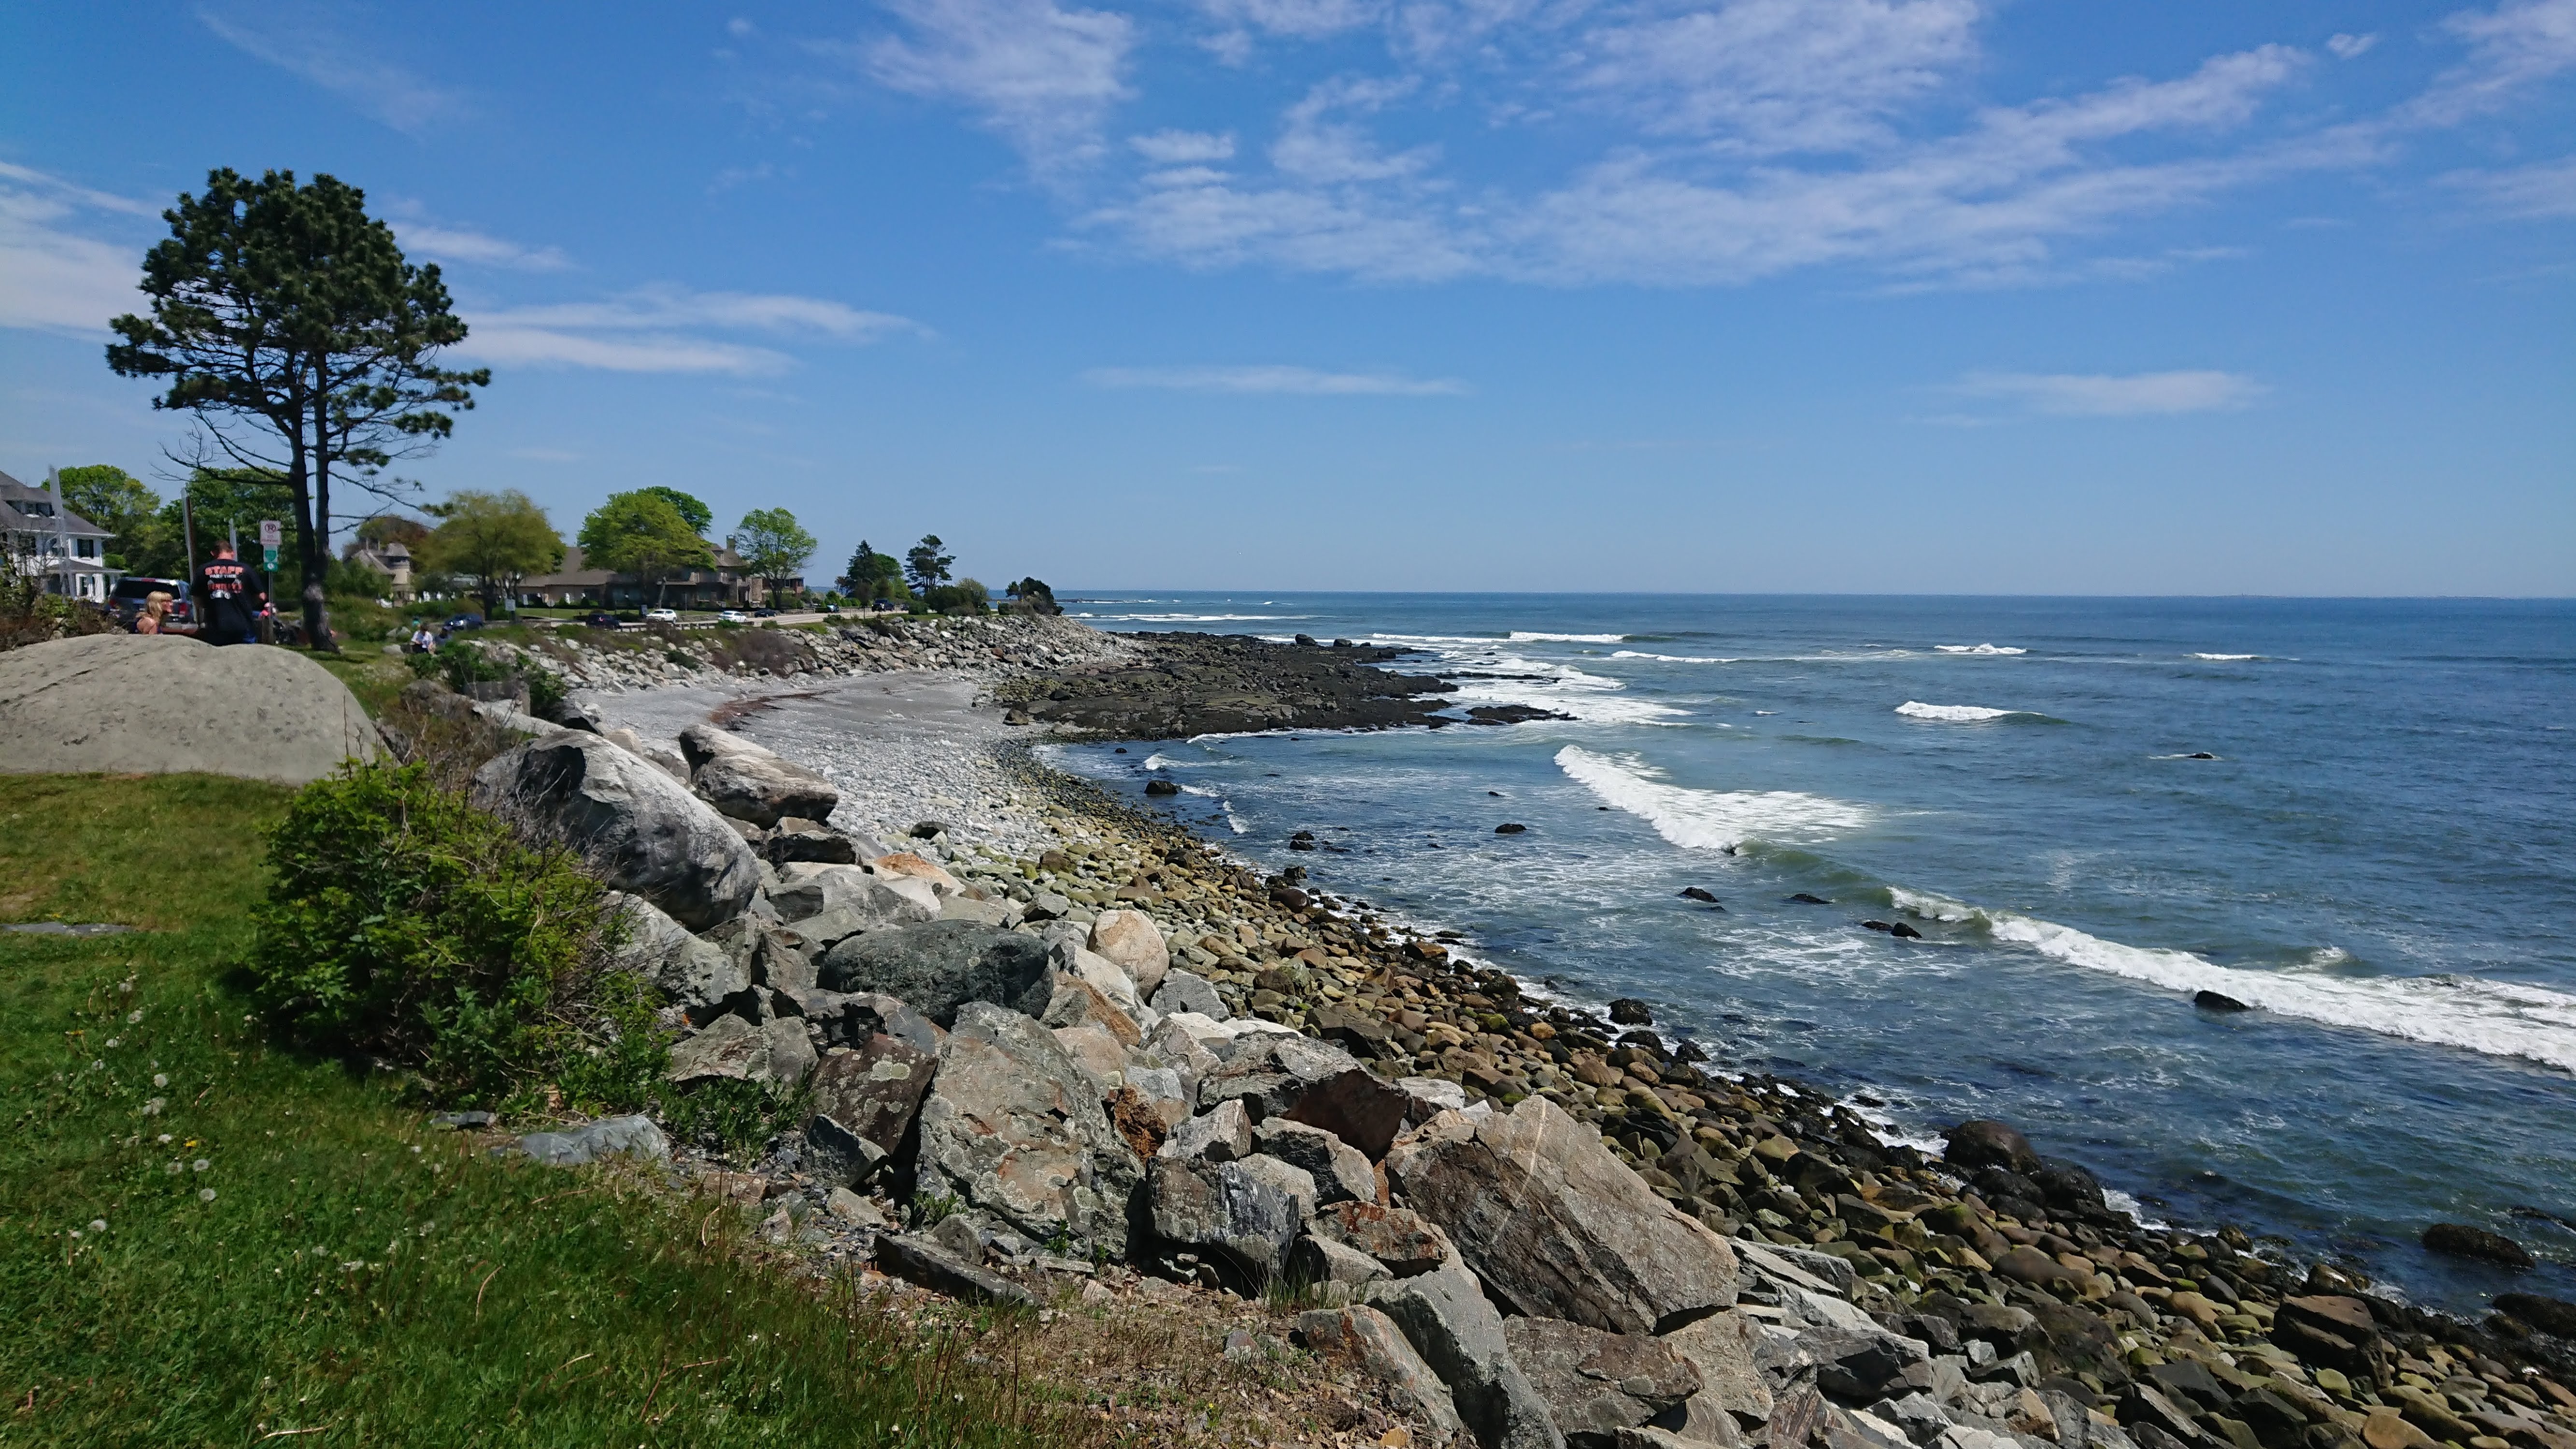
(336, 1264)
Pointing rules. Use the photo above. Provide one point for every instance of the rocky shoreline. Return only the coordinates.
(1086, 1058)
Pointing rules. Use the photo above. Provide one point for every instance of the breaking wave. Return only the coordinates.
(1978, 649)
(2226, 658)
(1957, 713)
(1670, 658)
(1708, 819)
(2497, 1018)
(1523, 636)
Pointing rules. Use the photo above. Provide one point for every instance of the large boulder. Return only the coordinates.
(864, 1101)
(1371, 1338)
(1131, 939)
(1305, 1080)
(1245, 1217)
(777, 1053)
(1014, 1127)
(1449, 1321)
(166, 703)
(1596, 1383)
(1988, 1143)
(1722, 1346)
(697, 975)
(849, 894)
(1557, 1226)
(939, 966)
(747, 782)
(632, 825)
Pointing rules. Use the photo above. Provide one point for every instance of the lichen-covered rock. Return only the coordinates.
(864, 1100)
(1371, 1338)
(940, 966)
(1244, 1216)
(1597, 1383)
(1459, 1333)
(776, 1052)
(1341, 1174)
(1558, 1226)
(1308, 1081)
(1013, 1126)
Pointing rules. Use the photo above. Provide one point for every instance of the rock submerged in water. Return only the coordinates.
(1161, 787)
(1699, 893)
(1804, 899)
(1629, 1011)
(1512, 829)
(2462, 1240)
(2217, 1001)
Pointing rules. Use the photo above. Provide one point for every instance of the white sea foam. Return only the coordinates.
(1490, 672)
(2227, 658)
(1708, 819)
(1671, 658)
(2498, 1018)
(1192, 618)
(1217, 795)
(1523, 636)
(1954, 713)
(1156, 760)
(1978, 649)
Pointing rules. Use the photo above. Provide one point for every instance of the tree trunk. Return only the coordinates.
(313, 548)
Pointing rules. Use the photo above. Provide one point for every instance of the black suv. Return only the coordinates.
(125, 601)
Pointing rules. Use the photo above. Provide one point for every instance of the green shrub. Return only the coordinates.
(405, 924)
(461, 662)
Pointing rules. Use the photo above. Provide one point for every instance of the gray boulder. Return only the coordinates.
(1557, 1226)
(1231, 1210)
(940, 966)
(1395, 1237)
(1371, 1338)
(849, 1019)
(799, 839)
(809, 891)
(1341, 1272)
(608, 1137)
(1014, 1127)
(1183, 991)
(1304, 1080)
(864, 1101)
(1721, 1347)
(1221, 1135)
(632, 825)
(698, 976)
(1448, 1320)
(776, 1052)
(164, 703)
(1341, 1174)
(1596, 1383)
(747, 782)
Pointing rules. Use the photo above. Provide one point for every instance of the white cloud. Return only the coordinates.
(467, 245)
(2511, 47)
(660, 329)
(1170, 148)
(305, 40)
(2529, 193)
(2350, 47)
(54, 274)
(2066, 394)
(1043, 75)
(1302, 19)
(1780, 75)
(1301, 381)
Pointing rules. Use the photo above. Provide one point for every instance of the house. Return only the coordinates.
(390, 558)
(67, 549)
(574, 582)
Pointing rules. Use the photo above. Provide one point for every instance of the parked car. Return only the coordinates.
(600, 619)
(466, 620)
(126, 600)
(661, 616)
(764, 613)
(732, 616)
(831, 608)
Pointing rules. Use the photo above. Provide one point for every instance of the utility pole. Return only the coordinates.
(62, 534)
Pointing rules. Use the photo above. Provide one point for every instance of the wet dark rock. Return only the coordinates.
(2200, 755)
(1985, 1143)
(2550, 1315)
(1876, 926)
(1184, 684)
(1161, 787)
(1629, 1011)
(1510, 714)
(1699, 893)
(1904, 932)
(1510, 829)
(1804, 899)
(2217, 1001)
(2461, 1240)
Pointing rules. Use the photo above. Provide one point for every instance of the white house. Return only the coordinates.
(67, 549)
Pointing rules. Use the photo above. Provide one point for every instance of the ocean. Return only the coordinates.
(2354, 817)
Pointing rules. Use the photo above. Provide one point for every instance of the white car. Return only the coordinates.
(733, 616)
(661, 616)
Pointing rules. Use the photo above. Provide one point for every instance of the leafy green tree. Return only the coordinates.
(492, 539)
(641, 533)
(873, 575)
(114, 500)
(772, 545)
(925, 565)
(387, 528)
(287, 321)
(1035, 596)
(697, 515)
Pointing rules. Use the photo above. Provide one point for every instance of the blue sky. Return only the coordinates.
(1740, 295)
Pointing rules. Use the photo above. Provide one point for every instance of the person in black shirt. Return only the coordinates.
(233, 594)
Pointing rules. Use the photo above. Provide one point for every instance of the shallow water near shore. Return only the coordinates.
(2379, 860)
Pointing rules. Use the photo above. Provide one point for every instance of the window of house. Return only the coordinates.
(85, 547)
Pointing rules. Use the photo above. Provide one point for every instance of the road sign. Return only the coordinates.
(271, 565)
(271, 534)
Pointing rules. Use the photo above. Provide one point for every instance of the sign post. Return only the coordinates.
(271, 534)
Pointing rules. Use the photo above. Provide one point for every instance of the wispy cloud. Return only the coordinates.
(56, 274)
(1042, 75)
(2100, 395)
(466, 244)
(1299, 381)
(2528, 193)
(2350, 47)
(308, 41)
(666, 329)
